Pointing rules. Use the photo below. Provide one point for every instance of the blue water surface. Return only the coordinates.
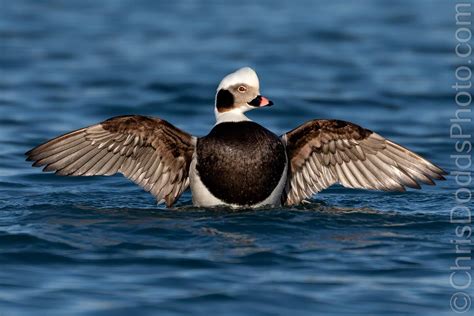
(101, 246)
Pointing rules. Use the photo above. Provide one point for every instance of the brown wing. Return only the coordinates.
(325, 152)
(149, 151)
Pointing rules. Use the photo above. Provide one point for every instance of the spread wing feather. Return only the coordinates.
(151, 152)
(325, 152)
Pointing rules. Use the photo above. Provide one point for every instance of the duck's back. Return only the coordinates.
(240, 163)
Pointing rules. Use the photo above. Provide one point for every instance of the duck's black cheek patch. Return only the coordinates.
(224, 100)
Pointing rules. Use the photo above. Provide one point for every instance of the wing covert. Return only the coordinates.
(151, 152)
(325, 152)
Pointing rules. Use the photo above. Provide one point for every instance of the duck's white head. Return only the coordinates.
(238, 93)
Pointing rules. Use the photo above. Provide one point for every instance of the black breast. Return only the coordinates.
(240, 162)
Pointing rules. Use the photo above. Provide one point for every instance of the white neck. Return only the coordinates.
(234, 115)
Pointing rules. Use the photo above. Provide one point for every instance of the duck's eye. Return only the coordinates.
(242, 88)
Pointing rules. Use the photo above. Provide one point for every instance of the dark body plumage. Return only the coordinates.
(240, 162)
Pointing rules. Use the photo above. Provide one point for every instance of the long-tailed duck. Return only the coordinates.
(239, 163)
